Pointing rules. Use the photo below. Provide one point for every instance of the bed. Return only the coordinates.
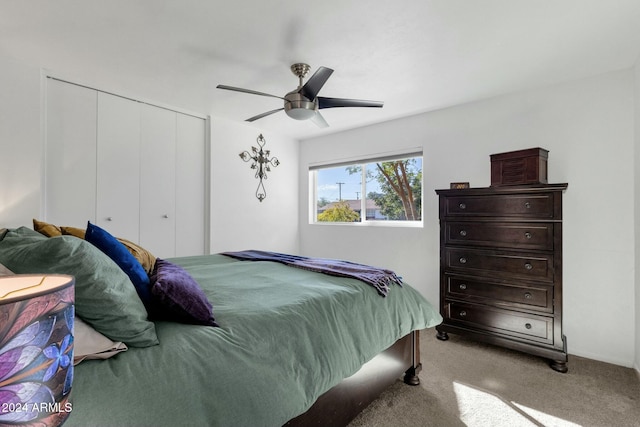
(287, 346)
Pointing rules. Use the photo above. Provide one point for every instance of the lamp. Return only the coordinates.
(36, 349)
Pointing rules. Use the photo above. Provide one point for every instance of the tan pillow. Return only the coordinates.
(144, 257)
(73, 231)
(91, 344)
(47, 229)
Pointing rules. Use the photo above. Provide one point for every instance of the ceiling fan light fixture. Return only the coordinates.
(301, 114)
(298, 107)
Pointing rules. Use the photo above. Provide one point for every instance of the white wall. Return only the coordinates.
(20, 143)
(586, 125)
(238, 220)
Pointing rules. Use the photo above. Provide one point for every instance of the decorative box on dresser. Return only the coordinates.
(501, 267)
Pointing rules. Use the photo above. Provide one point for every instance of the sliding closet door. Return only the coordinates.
(70, 166)
(191, 209)
(135, 169)
(118, 166)
(158, 181)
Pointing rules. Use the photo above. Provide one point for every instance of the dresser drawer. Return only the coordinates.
(512, 323)
(539, 206)
(503, 264)
(520, 235)
(512, 295)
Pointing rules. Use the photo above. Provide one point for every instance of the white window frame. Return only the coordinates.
(362, 161)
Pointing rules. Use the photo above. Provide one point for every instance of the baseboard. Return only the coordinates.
(600, 358)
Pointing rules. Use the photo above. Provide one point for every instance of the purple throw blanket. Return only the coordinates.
(379, 278)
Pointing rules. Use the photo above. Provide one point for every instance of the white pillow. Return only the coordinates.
(91, 344)
(4, 271)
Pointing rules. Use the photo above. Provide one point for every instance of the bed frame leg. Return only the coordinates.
(411, 374)
(411, 377)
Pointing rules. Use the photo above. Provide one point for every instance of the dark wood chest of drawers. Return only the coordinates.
(501, 267)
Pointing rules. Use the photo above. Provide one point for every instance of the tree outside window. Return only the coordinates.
(392, 189)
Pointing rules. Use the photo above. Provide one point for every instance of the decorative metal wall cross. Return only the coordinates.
(262, 163)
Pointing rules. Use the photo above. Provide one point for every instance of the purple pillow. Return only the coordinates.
(176, 296)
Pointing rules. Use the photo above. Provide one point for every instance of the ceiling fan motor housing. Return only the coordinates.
(299, 107)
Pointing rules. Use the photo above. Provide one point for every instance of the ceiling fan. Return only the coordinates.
(303, 103)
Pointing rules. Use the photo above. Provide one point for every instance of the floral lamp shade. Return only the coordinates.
(36, 349)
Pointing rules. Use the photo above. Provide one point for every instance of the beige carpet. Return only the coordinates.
(465, 383)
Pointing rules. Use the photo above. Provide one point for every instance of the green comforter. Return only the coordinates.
(286, 336)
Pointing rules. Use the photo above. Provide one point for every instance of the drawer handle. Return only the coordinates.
(165, 216)
(463, 233)
(527, 235)
(463, 313)
(109, 218)
(462, 206)
(527, 325)
(463, 286)
(528, 266)
(527, 205)
(463, 260)
(527, 295)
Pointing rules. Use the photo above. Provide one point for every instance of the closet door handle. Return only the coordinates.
(109, 218)
(165, 216)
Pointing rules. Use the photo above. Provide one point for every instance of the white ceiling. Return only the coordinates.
(415, 55)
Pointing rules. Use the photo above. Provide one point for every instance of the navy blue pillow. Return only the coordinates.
(176, 296)
(119, 253)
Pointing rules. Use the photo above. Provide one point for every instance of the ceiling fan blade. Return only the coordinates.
(319, 120)
(252, 92)
(314, 84)
(259, 116)
(343, 102)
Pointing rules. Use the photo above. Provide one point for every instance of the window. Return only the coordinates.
(381, 190)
